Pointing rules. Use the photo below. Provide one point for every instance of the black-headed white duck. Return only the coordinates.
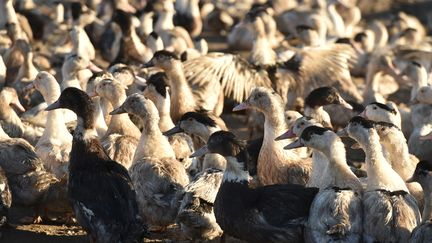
(255, 215)
(97, 184)
(157, 176)
(386, 196)
(339, 201)
(422, 175)
(275, 165)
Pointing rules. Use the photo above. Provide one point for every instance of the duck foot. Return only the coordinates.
(37, 220)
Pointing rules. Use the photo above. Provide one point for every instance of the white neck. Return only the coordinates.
(234, 171)
(338, 23)
(398, 156)
(164, 106)
(380, 173)
(153, 143)
(82, 133)
(165, 21)
(419, 79)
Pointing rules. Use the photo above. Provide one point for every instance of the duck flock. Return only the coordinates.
(112, 117)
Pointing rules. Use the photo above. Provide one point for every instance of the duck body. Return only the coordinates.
(264, 215)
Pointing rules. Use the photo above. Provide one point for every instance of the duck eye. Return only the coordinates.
(289, 118)
(302, 123)
(190, 119)
(374, 108)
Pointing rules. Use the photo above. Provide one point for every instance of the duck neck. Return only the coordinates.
(100, 124)
(153, 143)
(337, 172)
(398, 156)
(274, 121)
(28, 69)
(234, 172)
(420, 79)
(55, 126)
(85, 129)
(121, 123)
(70, 79)
(164, 106)
(165, 21)
(182, 97)
(7, 114)
(427, 209)
(336, 19)
(262, 53)
(373, 150)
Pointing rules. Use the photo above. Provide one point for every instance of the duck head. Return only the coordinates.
(262, 99)
(163, 59)
(47, 85)
(358, 128)
(75, 100)
(422, 175)
(197, 123)
(110, 89)
(138, 105)
(291, 116)
(157, 87)
(325, 96)
(298, 126)
(9, 96)
(424, 95)
(315, 137)
(378, 112)
(124, 74)
(388, 132)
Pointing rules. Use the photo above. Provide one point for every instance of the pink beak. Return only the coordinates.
(94, 68)
(241, 106)
(345, 104)
(426, 137)
(295, 144)
(286, 135)
(363, 114)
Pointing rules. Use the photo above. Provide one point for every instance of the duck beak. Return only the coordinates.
(200, 152)
(345, 104)
(93, 94)
(411, 179)
(140, 81)
(17, 104)
(288, 134)
(342, 133)
(118, 110)
(149, 64)
(241, 106)
(426, 137)
(29, 87)
(363, 114)
(94, 68)
(295, 144)
(172, 131)
(53, 106)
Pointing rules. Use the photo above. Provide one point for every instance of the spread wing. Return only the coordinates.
(235, 74)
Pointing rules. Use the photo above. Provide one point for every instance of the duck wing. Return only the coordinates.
(17, 157)
(104, 200)
(315, 67)
(5, 197)
(281, 204)
(236, 76)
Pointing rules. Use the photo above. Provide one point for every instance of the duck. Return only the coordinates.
(262, 214)
(380, 112)
(157, 176)
(158, 92)
(418, 141)
(5, 198)
(196, 216)
(30, 183)
(55, 144)
(96, 183)
(121, 138)
(275, 165)
(10, 121)
(201, 125)
(397, 154)
(336, 211)
(386, 196)
(422, 175)
(183, 97)
(320, 97)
